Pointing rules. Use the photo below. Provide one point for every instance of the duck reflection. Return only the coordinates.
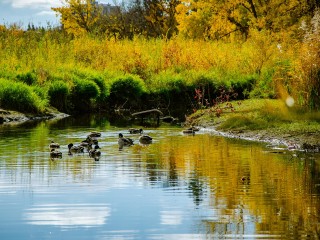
(68, 215)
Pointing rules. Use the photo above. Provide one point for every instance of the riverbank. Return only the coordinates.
(14, 117)
(270, 121)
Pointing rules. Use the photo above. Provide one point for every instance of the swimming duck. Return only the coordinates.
(135, 130)
(54, 145)
(86, 145)
(188, 131)
(122, 141)
(245, 178)
(95, 153)
(91, 140)
(75, 149)
(94, 134)
(193, 128)
(55, 153)
(145, 139)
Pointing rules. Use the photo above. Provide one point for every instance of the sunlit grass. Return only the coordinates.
(257, 114)
(255, 68)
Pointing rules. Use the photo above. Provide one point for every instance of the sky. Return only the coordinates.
(23, 12)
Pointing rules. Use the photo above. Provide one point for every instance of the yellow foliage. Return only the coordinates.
(79, 16)
(215, 19)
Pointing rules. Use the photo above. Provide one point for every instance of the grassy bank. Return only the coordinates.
(48, 68)
(262, 119)
(87, 74)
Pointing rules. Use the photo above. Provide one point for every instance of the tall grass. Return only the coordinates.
(51, 50)
(164, 68)
(21, 97)
(309, 64)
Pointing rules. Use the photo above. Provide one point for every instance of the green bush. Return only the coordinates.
(104, 89)
(84, 94)
(58, 94)
(243, 86)
(28, 78)
(85, 89)
(20, 97)
(264, 87)
(126, 91)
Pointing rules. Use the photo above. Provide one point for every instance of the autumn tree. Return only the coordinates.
(215, 19)
(161, 17)
(149, 18)
(79, 16)
(127, 22)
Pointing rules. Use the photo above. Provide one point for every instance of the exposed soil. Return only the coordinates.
(13, 117)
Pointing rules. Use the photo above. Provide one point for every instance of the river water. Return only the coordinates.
(179, 187)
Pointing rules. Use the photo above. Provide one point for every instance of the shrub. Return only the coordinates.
(104, 89)
(58, 93)
(264, 87)
(20, 97)
(83, 94)
(28, 78)
(243, 86)
(170, 90)
(126, 90)
(86, 89)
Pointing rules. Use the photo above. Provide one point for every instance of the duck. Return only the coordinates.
(91, 140)
(55, 153)
(95, 153)
(122, 141)
(145, 139)
(189, 131)
(135, 130)
(193, 128)
(75, 149)
(86, 145)
(245, 178)
(94, 134)
(54, 145)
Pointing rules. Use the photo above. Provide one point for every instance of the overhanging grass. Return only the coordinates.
(21, 97)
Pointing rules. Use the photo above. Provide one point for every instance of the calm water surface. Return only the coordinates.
(178, 187)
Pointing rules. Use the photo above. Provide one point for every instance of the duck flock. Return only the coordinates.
(91, 144)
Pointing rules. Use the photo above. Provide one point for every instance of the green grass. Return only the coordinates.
(91, 68)
(21, 97)
(258, 114)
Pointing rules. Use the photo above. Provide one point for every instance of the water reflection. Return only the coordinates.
(190, 187)
(171, 217)
(68, 215)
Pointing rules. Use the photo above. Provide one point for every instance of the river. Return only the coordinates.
(200, 186)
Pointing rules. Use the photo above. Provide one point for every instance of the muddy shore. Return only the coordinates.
(299, 140)
(13, 117)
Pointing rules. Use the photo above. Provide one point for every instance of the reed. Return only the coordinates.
(251, 68)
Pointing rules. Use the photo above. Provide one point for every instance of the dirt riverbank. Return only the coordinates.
(13, 117)
(263, 120)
